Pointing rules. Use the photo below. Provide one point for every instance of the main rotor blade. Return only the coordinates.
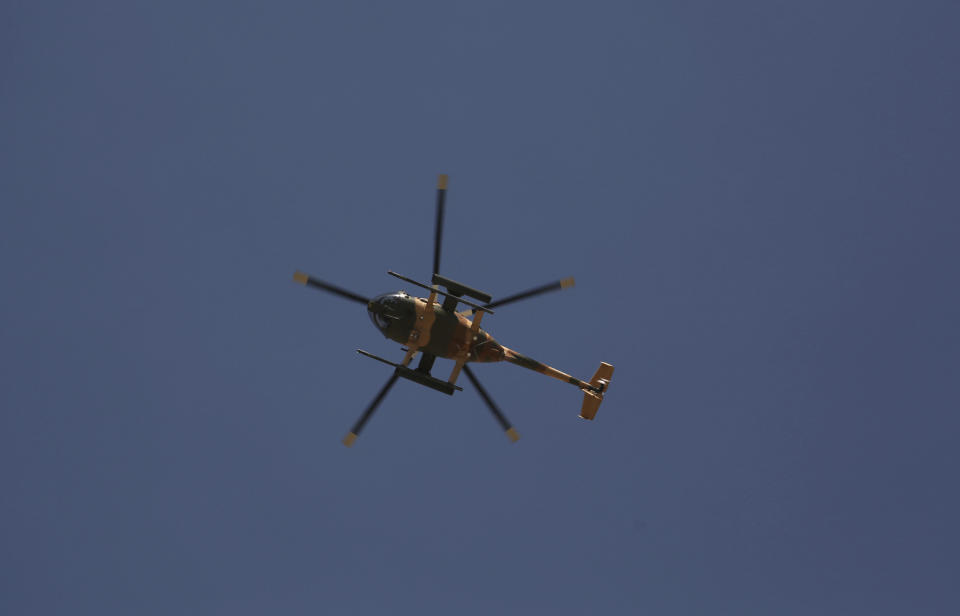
(316, 283)
(438, 232)
(357, 427)
(512, 434)
(516, 297)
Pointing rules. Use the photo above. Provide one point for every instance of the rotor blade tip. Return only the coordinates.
(300, 277)
(513, 435)
(348, 439)
(566, 282)
(442, 181)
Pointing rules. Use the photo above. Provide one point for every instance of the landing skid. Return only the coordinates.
(416, 376)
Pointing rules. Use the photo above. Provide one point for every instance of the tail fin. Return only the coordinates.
(593, 398)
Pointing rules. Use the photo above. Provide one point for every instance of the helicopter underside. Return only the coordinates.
(432, 329)
(435, 328)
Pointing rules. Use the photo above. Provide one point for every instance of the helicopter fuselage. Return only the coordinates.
(433, 329)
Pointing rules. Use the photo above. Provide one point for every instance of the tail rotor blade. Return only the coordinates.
(316, 283)
(357, 427)
(438, 233)
(512, 434)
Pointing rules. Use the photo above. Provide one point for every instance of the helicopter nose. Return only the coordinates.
(386, 309)
(379, 304)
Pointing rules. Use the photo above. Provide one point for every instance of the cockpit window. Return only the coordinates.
(380, 321)
(388, 308)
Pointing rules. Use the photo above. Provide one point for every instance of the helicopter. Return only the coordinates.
(436, 329)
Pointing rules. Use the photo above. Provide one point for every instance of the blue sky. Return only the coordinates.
(758, 201)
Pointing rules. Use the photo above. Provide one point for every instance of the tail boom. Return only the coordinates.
(592, 391)
(531, 364)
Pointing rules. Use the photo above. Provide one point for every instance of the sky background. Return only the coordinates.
(758, 200)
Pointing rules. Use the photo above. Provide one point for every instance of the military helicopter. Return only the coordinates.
(435, 330)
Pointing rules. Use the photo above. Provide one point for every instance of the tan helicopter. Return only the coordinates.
(435, 330)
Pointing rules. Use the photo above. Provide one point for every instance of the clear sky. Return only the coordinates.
(758, 200)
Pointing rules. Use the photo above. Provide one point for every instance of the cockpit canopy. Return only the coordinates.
(390, 308)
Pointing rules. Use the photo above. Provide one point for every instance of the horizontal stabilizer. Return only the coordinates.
(599, 383)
